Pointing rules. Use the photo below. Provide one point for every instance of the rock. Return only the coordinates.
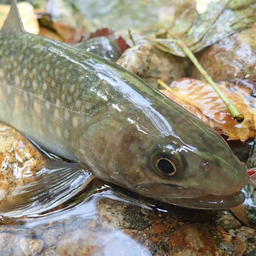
(192, 239)
(151, 64)
(6, 244)
(49, 252)
(252, 253)
(232, 57)
(50, 237)
(240, 244)
(122, 215)
(31, 246)
(19, 160)
(226, 221)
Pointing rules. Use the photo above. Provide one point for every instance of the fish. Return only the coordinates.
(89, 110)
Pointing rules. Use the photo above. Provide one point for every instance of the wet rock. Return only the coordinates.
(19, 160)
(251, 213)
(49, 252)
(226, 221)
(245, 240)
(227, 247)
(192, 239)
(248, 232)
(50, 237)
(151, 64)
(232, 57)
(240, 244)
(190, 215)
(6, 244)
(252, 253)
(31, 246)
(122, 215)
(77, 243)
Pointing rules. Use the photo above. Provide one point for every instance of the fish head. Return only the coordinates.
(181, 174)
(196, 169)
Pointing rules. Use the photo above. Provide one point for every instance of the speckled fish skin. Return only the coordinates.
(82, 107)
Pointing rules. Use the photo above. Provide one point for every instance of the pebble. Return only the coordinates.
(240, 244)
(31, 246)
(227, 221)
(6, 244)
(50, 237)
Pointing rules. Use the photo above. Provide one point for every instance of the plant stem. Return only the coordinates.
(232, 108)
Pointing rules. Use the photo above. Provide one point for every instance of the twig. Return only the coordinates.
(232, 108)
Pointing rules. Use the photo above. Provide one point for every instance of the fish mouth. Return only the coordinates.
(209, 202)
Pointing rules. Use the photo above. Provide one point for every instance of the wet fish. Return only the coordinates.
(85, 108)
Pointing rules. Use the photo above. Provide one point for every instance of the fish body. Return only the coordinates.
(85, 108)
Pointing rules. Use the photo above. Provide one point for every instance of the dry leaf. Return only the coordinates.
(45, 32)
(27, 14)
(200, 98)
(221, 19)
(70, 35)
(59, 31)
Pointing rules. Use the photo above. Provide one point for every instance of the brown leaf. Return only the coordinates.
(59, 31)
(45, 32)
(240, 212)
(200, 98)
(69, 35)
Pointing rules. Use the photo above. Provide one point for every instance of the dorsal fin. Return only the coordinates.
(13, 20)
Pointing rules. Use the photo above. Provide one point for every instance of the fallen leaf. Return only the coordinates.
(200, 98)
(45, 32)
(59, 31)
(240, 212)
(221, 19)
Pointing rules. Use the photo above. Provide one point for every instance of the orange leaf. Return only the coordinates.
(199, 98)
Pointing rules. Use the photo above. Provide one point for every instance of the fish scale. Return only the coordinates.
(87, 109)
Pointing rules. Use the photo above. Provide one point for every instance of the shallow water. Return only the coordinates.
(91, 225)
(114, 221)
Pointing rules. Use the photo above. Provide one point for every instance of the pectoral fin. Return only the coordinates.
(55, 184)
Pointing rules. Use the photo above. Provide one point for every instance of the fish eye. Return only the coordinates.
(166, 166)
(165, 161)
